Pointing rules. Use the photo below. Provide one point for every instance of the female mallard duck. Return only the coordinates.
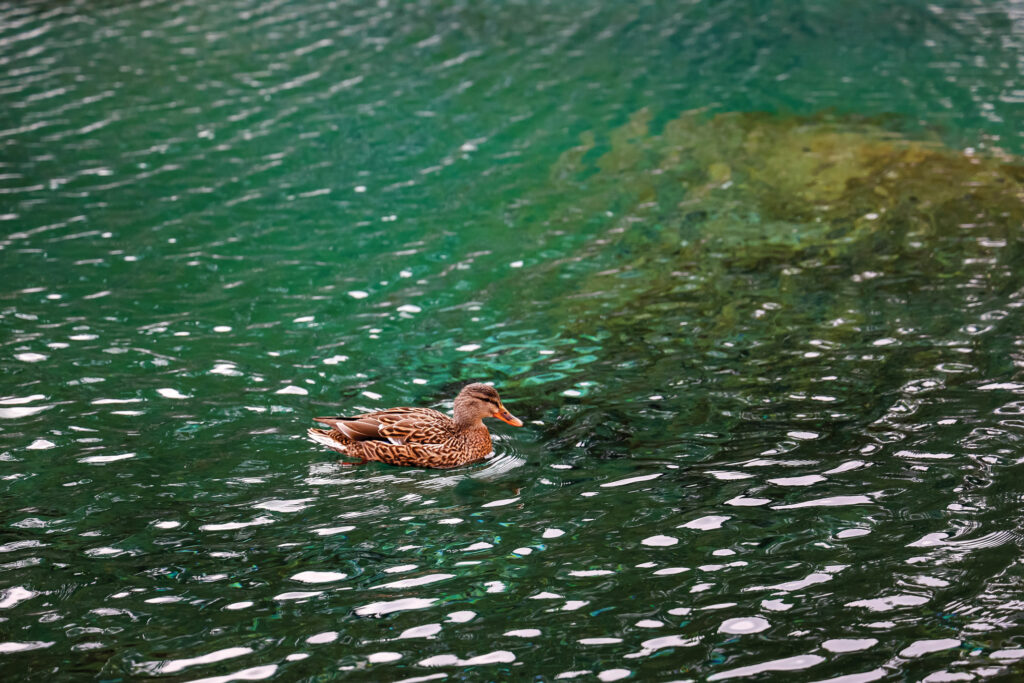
(419, 437)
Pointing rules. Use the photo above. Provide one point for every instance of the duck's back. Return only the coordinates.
(395, 425)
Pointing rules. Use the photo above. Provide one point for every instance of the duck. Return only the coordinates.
(418, 437)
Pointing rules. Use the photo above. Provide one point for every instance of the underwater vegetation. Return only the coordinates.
(746, 256)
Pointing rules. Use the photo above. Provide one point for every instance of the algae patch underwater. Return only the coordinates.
(754, 254)
(764, 187)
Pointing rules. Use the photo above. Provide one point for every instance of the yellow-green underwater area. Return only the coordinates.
(775, 251)
(757, 194)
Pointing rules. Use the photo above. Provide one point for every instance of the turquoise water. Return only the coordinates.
(768, 354)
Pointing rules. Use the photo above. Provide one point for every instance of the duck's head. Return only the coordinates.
(478, 401)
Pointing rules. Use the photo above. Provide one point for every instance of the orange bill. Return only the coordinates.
(508, 417)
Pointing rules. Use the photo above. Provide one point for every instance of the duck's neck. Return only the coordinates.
(465, 419)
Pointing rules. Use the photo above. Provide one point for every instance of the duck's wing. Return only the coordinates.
(410, 454)
(395, 425)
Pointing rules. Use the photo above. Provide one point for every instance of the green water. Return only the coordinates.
(749, 272)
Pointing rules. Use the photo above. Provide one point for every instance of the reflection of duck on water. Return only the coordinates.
(419, 437)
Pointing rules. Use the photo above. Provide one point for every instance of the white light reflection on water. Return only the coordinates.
(830, 501)
(424, 631)
(27, 411)
(630, 480)
(706, 523)
(888, 603)
(797, 663)
(255, 673)
(840, 645)
(743, 625)
(649, 647)
(523, 633)
(297, 595)
(389, 606)
(13, 646)
(418, 581)
(103, 459)
(924, 647)
(175, 665)
(231, 526)
(293, 505)
(660, 541)
(330, 531)
(12, 596)
(496, 657)
(318, 577)
(383, 657)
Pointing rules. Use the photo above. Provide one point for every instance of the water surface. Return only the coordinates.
(749, 273)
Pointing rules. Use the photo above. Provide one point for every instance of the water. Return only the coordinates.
(768, 353)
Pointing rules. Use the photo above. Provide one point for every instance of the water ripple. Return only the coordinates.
(763, 438)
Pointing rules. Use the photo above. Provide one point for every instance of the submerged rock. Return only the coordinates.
(755, 254)
(769, 190)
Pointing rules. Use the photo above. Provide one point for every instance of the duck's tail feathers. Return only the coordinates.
(322, 437)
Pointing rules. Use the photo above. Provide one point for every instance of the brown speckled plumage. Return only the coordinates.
(419, 437)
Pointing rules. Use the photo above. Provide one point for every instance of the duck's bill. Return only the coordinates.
(508, 417)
